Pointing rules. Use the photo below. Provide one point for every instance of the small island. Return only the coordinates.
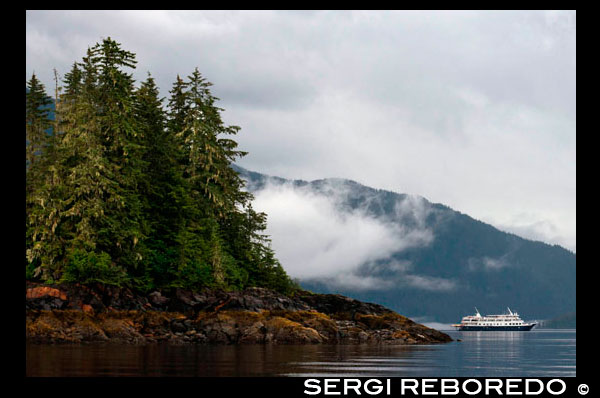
(140, 231)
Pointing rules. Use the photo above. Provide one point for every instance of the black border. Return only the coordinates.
(274, 386)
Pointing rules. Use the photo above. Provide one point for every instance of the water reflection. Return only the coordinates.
(535, 353)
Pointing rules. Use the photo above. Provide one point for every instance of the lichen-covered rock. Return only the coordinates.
(45, 291)
(253, 316)
(158, 299)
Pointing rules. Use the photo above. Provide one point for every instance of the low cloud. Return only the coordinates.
(317, 239)
(539, 230)
(430, 283)
(357, 282)
(488, 263)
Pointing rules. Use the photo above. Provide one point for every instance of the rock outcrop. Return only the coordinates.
(73, 313)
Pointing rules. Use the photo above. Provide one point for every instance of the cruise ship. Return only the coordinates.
(505, 322)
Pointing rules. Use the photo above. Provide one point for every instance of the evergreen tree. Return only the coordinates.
(123, 225)
(37, 163)
(162, 186)
(252, 247)
(37, 121)
(73, 82)
(87, 180)
(125, 192)
(209, 155)
(178, 106)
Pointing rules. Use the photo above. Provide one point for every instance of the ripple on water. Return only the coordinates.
(544, 353)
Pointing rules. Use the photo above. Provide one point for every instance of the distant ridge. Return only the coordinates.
(488, 268)
(565, 321)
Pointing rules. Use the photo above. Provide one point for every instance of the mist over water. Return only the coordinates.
(538, 353)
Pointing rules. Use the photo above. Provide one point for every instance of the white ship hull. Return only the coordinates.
(504, 322)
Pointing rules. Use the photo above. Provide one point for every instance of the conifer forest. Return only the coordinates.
(124, 187)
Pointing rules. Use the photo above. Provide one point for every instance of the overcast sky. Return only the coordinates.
(475, 110)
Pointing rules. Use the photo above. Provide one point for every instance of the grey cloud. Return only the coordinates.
(473, 109)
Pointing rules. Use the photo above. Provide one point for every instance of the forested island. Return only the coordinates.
(139, 230)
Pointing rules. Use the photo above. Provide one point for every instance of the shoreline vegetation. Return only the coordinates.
(139, 230)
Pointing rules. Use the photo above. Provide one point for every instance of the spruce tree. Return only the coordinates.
(123, 191)
(210, 155)
(123, 225)
(73, 82)
(162, 187)
(178, 106)
(37, 121)
(206, 164)
(87, 179)
(40, 222)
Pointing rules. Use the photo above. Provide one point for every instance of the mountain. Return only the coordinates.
(438, 264)
(565, 321)
(445, 262)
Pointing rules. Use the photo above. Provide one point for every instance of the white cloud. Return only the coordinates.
(355, 282)
(535, 227)
(488, 263)
(316, 239)
(473, 109)
(313, 239)
(430, 283)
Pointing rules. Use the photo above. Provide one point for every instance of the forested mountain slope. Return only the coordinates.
(463, 263)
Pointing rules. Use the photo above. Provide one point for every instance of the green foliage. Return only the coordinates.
(30, 271)
(195, 274)
(37, 121)
(90, 267)
(126, 192)
(235, 277)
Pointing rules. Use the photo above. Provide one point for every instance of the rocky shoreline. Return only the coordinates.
(73, 313)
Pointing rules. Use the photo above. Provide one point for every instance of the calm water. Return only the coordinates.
(534, 353)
